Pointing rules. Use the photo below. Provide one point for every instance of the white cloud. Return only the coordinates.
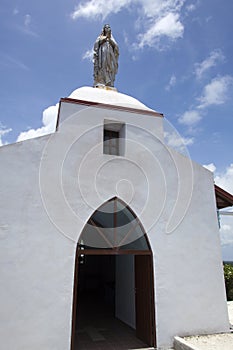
(156, 19)
(88, 55)
(49, 123)
(190, 118)
(174, 140)
(27, 27)
(226, 236)
(211, 61)
(191, 7)
(159, 8)
(3, 131)
(98, 8)
(168, 26)
(225, 179)
(172, 82)
(102, 8)
(226, 230)
(211, 167)
(216, 92)
(27, 20)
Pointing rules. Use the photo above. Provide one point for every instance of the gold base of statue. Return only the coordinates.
(104, 87)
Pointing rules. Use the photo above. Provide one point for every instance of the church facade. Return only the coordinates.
(104, 198)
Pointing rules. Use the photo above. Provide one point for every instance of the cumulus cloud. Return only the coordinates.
(215, 57)
(226, 236)
(211, 167)
(49, 123)
(226, 230)
(167, 26)
(190, 118)
(157, 18)
(216, 92)
(174, 140)
(98, 8)
(224, 179)
(3, 132)
(191, 7)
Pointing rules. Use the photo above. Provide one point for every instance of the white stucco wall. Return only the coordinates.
(49, 188)
(190, 294)
(36, 260)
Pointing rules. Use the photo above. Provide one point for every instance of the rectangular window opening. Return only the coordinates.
(113, 138)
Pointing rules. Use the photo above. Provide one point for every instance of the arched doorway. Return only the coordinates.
(113, 281)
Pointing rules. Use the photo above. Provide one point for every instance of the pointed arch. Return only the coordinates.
(114, 227)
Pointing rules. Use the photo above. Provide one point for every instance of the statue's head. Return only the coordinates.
(106, 30)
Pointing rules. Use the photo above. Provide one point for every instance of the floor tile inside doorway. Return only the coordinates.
(109, 334)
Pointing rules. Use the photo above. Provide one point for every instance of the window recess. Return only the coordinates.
(114, 138)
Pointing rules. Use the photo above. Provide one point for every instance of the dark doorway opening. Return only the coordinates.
(113, 304)
(96, 292)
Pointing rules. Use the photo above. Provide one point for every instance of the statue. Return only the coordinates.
(105, 58)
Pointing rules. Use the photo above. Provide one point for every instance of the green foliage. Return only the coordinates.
(228, 274)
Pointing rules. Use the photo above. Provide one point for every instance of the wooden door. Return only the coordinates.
(144, 299)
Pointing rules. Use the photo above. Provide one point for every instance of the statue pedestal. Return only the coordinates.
(101, 86)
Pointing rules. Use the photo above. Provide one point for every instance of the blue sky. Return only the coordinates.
(175, 57)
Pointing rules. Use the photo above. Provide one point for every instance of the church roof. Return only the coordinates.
(223, 198)
(108, 98)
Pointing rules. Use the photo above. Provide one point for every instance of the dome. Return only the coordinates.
(107, 96)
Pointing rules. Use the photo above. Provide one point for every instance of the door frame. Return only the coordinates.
(113, 251)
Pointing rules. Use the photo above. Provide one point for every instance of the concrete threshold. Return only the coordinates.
(181, 344)
(221, 341)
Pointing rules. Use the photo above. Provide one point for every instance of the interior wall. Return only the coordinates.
(125, 286)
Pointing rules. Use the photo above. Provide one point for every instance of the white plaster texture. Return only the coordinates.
(36, 260)
(49, 188)
(190, 294)
(111, 97)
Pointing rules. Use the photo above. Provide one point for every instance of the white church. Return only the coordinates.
(108, 236)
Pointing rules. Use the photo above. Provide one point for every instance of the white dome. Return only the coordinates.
(110, 97)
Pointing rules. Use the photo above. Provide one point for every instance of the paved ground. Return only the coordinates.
(230, 311)
(214, 341)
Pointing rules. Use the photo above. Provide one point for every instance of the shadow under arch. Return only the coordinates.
(114, 226)
(113, 230)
